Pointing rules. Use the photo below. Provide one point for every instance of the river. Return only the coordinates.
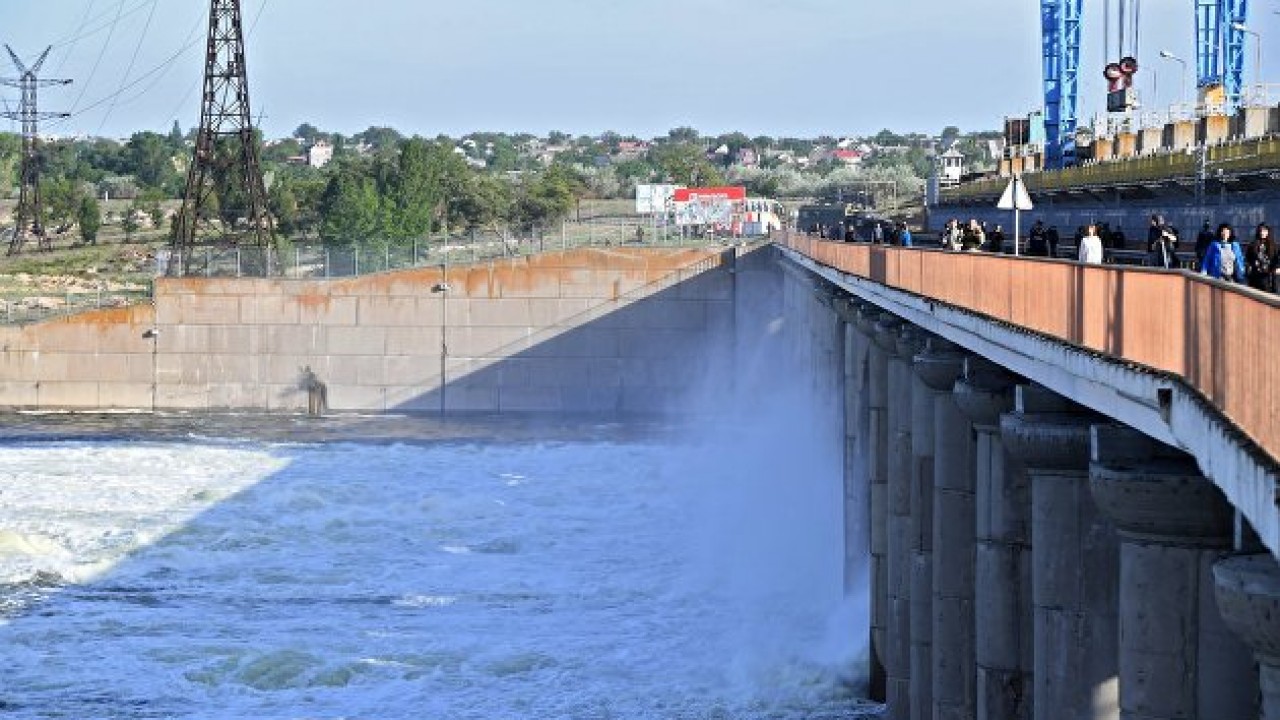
(399, 567)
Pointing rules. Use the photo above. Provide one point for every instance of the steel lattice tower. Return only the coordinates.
(225, 150)
(29, 216)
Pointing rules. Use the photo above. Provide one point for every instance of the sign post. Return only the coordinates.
(1017, 199)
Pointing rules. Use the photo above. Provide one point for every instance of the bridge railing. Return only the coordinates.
(1219, 338)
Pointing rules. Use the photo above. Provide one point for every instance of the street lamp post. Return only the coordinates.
(1257, 58)
(1182, 88)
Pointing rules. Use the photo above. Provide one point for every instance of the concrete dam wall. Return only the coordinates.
(591, 330)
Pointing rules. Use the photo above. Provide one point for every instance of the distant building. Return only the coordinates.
(851, 158)
(747, 158)
(632, 149)
(950, 167)
(319, 154)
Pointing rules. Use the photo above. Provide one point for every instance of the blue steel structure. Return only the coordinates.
(1233, 12)
(1220, 59)
(1060, 27)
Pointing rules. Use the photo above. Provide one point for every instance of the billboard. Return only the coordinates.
(708, 206)
(654, 199)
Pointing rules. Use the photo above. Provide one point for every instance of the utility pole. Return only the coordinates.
(29, 216)
(226, 156)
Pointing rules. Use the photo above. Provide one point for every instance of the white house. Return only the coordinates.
(319, 154)
(950, 167)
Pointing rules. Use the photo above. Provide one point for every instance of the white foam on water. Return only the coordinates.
(256, 581)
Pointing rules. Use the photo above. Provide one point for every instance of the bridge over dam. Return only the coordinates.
(1059, 481)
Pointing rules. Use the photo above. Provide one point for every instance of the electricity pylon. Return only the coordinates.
(29, 216)
(225, 159)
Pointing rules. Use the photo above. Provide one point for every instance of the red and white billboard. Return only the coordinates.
(708, 205)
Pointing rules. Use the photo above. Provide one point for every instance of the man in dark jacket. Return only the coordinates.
(1037, 244)
(1206, 238)
(1051, 239)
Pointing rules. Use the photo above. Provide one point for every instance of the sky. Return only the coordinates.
(636, 67)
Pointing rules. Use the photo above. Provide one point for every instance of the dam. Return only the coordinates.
(1056, 484)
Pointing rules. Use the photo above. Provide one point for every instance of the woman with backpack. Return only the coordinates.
(1223, 259)
(1260, 260)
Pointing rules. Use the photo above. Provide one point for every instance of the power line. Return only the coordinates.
(81, 34)
(129, 70)
(84, 21)
(164, 65)
(98, 62)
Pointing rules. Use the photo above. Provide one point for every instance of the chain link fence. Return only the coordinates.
(21, 308)
(301, 260)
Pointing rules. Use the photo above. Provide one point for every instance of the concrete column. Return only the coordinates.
(921, 540)
(1075, 559)
(1177, 657)
(1002, 562)
(1248, 593)
(905, 344)
(949, 551)
(869, 322)
(857, 501)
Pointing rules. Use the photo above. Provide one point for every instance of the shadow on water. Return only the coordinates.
(344, 541)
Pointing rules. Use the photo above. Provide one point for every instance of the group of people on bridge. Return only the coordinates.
(1218, 252)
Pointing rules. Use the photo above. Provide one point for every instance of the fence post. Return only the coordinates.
(387, 264)
(326, 262)
(355, 262)
(239, 267)
(208, 262)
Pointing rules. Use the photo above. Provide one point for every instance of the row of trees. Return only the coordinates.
(384, 187)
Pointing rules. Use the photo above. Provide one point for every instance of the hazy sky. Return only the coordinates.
(776, 67)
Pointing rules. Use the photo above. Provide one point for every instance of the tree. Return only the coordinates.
(89, 217)
(687, 165)
(549, 197)
(485, 201)
(176, 138)
(949, 134)
(129, 223)
(350, 209)
(284, 207)
(683, 134)
(149, 158)
(308, 133)
(61, 203)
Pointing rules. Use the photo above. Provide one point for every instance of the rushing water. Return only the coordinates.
(155, 567)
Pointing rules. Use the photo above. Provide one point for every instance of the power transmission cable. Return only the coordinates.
(119, 8)
(129, 70)
(98, 62)
(164, 65)
(84, 21)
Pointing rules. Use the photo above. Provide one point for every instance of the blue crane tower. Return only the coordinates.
(1220, 60)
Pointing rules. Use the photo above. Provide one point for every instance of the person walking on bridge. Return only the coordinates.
(1223, 259)
(1037, 241)
(1091, 246)
(1203, 241)
(1260, 260)
(1163, 248)
(904, 235)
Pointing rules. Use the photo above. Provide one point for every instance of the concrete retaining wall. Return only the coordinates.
(592, 330)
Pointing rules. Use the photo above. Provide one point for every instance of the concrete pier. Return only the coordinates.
(1074, 560)
(949, 552)
(1002, 564)
(1248, 593)
(869, 323)
(1177, 657)
(921, 549)
(857, 500)
(905, 344)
